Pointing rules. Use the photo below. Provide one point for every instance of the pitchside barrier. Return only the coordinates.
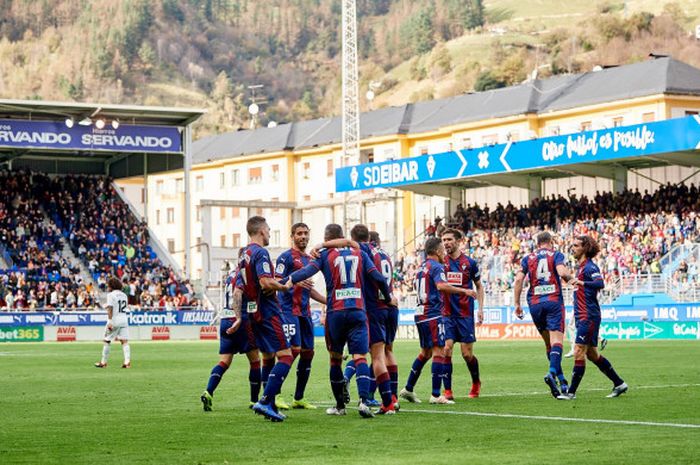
(676, 321)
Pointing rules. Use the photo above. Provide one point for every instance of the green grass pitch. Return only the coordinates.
(57, 408)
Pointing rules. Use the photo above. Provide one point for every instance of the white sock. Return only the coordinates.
(127, 353)
(105, 352)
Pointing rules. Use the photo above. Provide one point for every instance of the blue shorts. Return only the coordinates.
(392, 324)
(587, 332)
(431, 333)
(459, 329)
(269, 334)
(548, 316)
(299, 331)
(377, 326)
(347, 326)
(240, 342)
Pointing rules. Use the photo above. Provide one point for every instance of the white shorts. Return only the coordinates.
(120, 330)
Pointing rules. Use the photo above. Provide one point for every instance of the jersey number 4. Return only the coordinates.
(543, 270)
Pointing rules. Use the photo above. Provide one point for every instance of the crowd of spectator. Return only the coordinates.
(39, 213)
(634, 230)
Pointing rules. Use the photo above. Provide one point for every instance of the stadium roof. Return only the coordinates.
(663, 75)
(117, 163)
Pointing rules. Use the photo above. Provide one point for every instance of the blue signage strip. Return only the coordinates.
(56, 135)
(585, 147)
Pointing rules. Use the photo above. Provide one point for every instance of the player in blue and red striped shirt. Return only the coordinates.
(296, 310)
(545, 268)
(431, 283)
(257, 280)
(235, 337)
(345, 270)
(588, 282)
(462, 271)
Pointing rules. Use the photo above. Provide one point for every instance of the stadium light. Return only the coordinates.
(85, 121)
(115, 123)
(100, 123)
(70, 122)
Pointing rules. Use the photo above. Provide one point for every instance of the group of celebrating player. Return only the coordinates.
(361, 312)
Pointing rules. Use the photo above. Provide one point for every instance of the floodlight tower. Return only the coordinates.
(351, 106)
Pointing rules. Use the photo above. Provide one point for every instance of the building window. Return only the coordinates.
(330, 195)
(236, 240)
(198, 212)
(258, 211)
(222, 240)
(329, 167)
(691, 112)
(159, 187)
(199, 184)
(179, 185)
(372, 227)
(275, 237)
(489, 140)
(254, 175)
(467, 143)
(306, 170)
(617, 122)
(157, 216)
(171, 215)
(275, 173)
(554, 131)
(222, 213)
(235, 177)
(143, 195)
(585, 126)
(222, 180)
(423, 150)
(197, 241)
(648, 117)
(307, 198)
(275, 199)
(367, 156)
(171, 245)
(236, 213)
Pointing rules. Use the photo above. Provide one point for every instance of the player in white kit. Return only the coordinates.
(117, 322)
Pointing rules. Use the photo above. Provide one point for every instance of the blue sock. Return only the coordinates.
(362, 378)
(254, 376)
(555, 360)
(447, 376)
(372, 383)
(577, 376)
(267, 365)
(337, 382)
(394, 377)
(277, 376)
(384, 383)
(303, 372)
(349, 371)
(215, 377)
(437, 371)
(606, 367)
(416, 369)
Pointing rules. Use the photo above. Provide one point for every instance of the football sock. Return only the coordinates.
(303, 372)
(362, 378)
(372, 383)
(126, 348)
(555, 360)
(416, 369)
(394, 377)
(215, 377)
(267, 364)
(337, 381)
(606, 367)
(349, 371)
(437, 370)
(295, 354)
(447, 375)
(473, 366)
(384, 383)
(254, 376)
(577, 376)
(277, 376)
(105, 352)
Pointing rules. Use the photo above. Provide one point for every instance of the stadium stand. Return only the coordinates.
(37, 213)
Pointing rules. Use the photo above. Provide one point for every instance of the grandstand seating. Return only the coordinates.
(37, 211)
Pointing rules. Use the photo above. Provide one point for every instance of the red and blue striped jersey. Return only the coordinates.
(461, 272)
(255, 263)
(586, 305)
(374, 299)
(295, 301)
(430, 301)
(345, 270)
(545, 283)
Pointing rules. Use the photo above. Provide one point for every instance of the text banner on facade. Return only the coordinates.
(672, 135)
(58, 136)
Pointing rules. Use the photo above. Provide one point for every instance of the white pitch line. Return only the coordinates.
(542, 417)
(533, 393)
